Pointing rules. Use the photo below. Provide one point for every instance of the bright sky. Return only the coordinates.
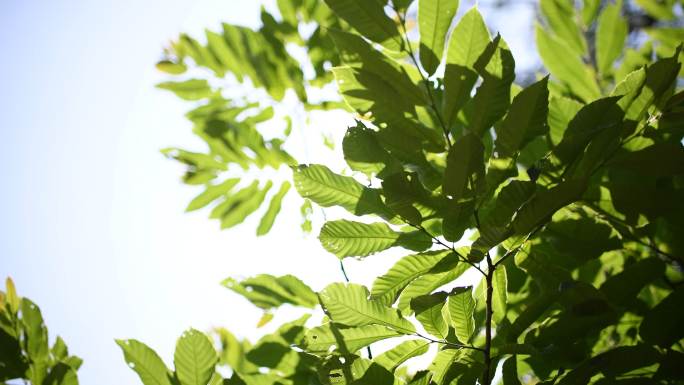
(92, 226)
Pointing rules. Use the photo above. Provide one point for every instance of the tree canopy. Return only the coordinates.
(563, 192)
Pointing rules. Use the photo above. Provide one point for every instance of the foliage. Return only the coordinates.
(562, 194)
(24, 345)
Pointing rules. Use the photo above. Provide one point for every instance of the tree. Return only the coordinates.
(24, 345)
(567, 193)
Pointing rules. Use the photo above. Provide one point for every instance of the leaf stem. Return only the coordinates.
(452, 248)
(489, 278)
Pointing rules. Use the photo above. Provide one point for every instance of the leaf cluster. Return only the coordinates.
(25, 352)
(563, 196)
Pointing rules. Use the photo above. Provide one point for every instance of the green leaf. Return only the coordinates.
(457, 218)
(349, 305)
(569, 69)
(621, 289)
(145, 362)
(345, 340)
(59, 349)
(369, 18)
(446, 271)
(657, 160)
(193, 89)
(363, 152)
(36, 335)
(662, 325)
(356, 53)
(434, 20)
(657, 9)
(526, 119)
(440, 366)
(499, 294)
(629, 88)
(211, 193)
(273, 209)
(561, 17)
(545, 203)
(391, 359)
(232, 201)
(318, 183)
(580, 239)
(405, 195)
(493, 96)
(267, 291)
(509, 371)
(387, 287)
(428, 310)
(465, 161)
(12, 298)
(194, 358)
(461, 307)
(590, 9)
(611, 34)
(195, 159)
(61, 374)
(659, 78)
(373, 97)
(468, 41)
(521, 349)
(511, 197)
(346, 238)
(224, 54)
(619, 360)
(561, 112)
(171, 67)
(240, 210)
(592, 119)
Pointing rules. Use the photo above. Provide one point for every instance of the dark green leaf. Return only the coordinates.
(369, 18)
(464, 162)
(662, 325)
(526, 119)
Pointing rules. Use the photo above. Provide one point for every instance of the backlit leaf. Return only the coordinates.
(347, 239)
(145, 362)
(350, 305)
(194, 358)
(434, 19)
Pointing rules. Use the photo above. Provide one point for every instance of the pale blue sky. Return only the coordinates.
(92, 225)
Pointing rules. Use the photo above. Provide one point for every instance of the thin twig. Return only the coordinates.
(488, 321)
(452, 248)
(447, 343)
(344, 272)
